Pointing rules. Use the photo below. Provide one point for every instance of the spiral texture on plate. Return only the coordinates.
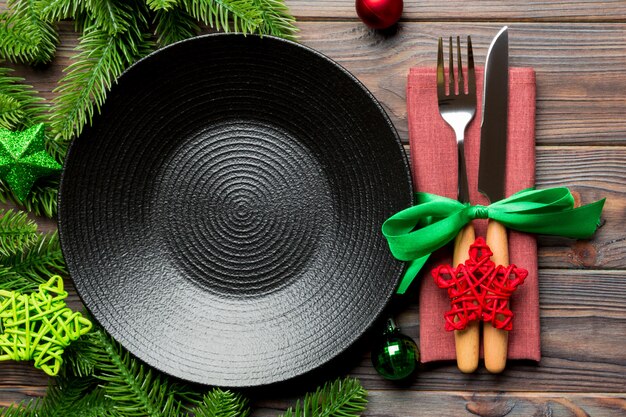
(221, 217)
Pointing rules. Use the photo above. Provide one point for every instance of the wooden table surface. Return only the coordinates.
(578, 49)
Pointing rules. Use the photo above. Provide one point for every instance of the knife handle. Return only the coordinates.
(467, 341)
(496, 340)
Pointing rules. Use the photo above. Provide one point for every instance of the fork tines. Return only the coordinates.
(459, 79)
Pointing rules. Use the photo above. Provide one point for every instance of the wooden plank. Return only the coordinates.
(580, 80)
(583, 334)
(402, 403)
(455, 10)
(583, 331)
(13, 394)
(415, 403)
(591, 173)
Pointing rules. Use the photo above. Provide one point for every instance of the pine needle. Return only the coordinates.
(82, 356)
(37, 263)
(220, 14)
(82, 91)
(135, 389)
(42, 200)
(63, 395)
(341, 398)
(174, 25)
(220, 403)
(113, 16)
(57, 10)
(164, 5)
(20, 106)
(22, 409)
(277, 21)
(24, 36)
(17, 232)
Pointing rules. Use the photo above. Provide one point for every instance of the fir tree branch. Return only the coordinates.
(10, 281)
(20, 106)
(113, 16)
(164, 5)
(82, 91)
(135, 389)
(65, 394)
(174, 25)
(17, 232)
(81, 356)
(219, 403)
(42, 200)
(277, 21)
(246, 18)
(24, 36)
(37, 263)
(22, 409)
(57, 10)
(341, 398)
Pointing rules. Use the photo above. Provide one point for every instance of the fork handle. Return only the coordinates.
(467, 341)
(496, 340)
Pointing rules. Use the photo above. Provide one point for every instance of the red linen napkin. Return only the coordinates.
(434, 166)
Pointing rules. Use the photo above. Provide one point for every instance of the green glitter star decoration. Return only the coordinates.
(23, 159)
(39, 326)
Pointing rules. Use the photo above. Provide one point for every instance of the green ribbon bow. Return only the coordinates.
(414, 233)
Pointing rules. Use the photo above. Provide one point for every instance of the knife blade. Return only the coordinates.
(491, 169)
(492, 175)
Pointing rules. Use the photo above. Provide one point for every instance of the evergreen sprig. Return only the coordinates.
(221, 403)
(276, 19)
(42, 200)
(37, 263)
(27, 258)
(66, 397)
(134, 389)
(102, 58)
(163, 5)
(340, 398)
(17, 232)
(22, 409)
(20, 108)
(24, 35)
(174, 25)
(113, 16)
(219, 14)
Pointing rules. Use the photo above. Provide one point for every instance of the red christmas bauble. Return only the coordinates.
(379, 14)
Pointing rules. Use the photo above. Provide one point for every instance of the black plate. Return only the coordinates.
(221, 218)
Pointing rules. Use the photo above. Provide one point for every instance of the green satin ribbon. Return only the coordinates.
(414, 233)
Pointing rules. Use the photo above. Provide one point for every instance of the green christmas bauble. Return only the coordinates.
(395, 356)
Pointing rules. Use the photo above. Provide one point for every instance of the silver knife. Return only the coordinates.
(492, 174)
(491, 170)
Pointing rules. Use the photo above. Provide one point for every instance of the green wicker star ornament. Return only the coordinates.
(39, 326)
(23, 159)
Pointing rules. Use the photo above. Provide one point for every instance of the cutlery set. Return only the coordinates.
(458, 108)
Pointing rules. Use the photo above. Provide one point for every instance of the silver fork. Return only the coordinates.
(457, 109)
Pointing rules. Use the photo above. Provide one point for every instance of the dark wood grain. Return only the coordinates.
(580, 79)
(578, 49)
(459, 404)
(583, 335)
(591, 173)
(454, 10)
(402, 403)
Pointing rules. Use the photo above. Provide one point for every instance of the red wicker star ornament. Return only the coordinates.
(479, 289)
